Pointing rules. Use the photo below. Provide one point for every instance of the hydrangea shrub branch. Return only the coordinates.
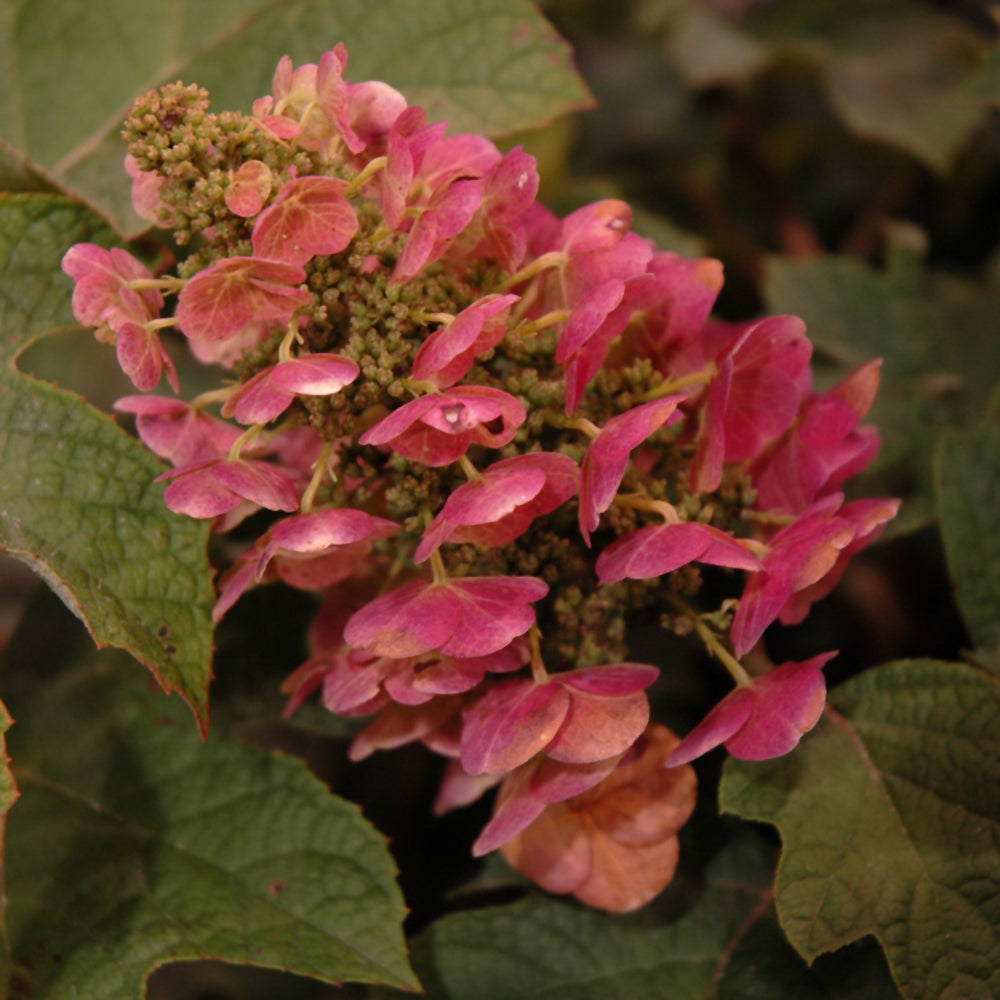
(488, 438)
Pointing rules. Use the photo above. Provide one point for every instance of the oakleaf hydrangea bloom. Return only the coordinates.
(487, 438)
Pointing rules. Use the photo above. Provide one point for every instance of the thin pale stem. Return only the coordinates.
(370, 170)
(669, 387)
(555, 258)
(437, 568)
(320, 472)
(292, 337)
(538, 671)
(531, 327)
(471, 472)
(243, 440)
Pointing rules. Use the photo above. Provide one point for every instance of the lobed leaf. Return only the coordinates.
(549, 949)
(145, 845)
(891, 824)
(489, 65)
(902, 74)
(78, 501)
(967, 473)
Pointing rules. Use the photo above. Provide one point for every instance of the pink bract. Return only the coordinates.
(269, 393)
(216, 487)
(763, 720)
(220, 301)
(607, 457)
(177, 431)
(471, 616)
(498, 506)
(447, 354)
(658, 549)
(438, 429)
(577, 717)
(310, 216)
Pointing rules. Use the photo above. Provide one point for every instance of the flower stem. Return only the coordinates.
(554, 258)
(671, 386)
(319, 472)
(713, 644)
(531, 327)
(370, 170)
(437, 568)
(538, 671)
(243, 440)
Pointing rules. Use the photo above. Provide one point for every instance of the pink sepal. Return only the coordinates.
(177, 431)
(470, 616)
(249, 187)
(764, 720)
(438, 429)
(499, 505)
(662, 548)
(310, 216)
(217, 487)
(447, 354)
(607, 457)
(268, 394)
(220, 301)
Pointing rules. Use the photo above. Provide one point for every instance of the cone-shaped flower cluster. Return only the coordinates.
(486, 437)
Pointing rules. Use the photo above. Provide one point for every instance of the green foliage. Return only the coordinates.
(547, 948)
(493, 65)
(901, 73)
(78, 501)
(968, 484)
(144, 846)
(890, 822)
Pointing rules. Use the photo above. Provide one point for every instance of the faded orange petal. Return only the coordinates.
(615, 846)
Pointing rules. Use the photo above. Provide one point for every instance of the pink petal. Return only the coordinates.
(607, 457)
(220, 301)
(249, 188)
(309, 217)
(447, 354)
(408, 621)
(721, 724)
(495, 610)
(510, 724)
(658, 549)
(268, 394)
(258, 482)
(789, 702)
(605, 716)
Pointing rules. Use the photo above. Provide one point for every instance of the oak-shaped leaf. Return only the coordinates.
(890, 822)
(549, 949)
(967, 474)
(78, 501)
(516, 74)
(145, 846)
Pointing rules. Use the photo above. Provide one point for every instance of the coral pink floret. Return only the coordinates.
(764, 720)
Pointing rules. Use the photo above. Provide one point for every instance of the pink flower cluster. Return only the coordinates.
(486, 436)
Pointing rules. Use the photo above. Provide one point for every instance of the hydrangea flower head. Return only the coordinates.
(488, 438)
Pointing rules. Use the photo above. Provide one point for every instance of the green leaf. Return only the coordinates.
(550, 949)
(967, 471)
(488, 65)
(766, 967)
(78, 501)
(890, 820)
(899, 73)
(135, 844)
